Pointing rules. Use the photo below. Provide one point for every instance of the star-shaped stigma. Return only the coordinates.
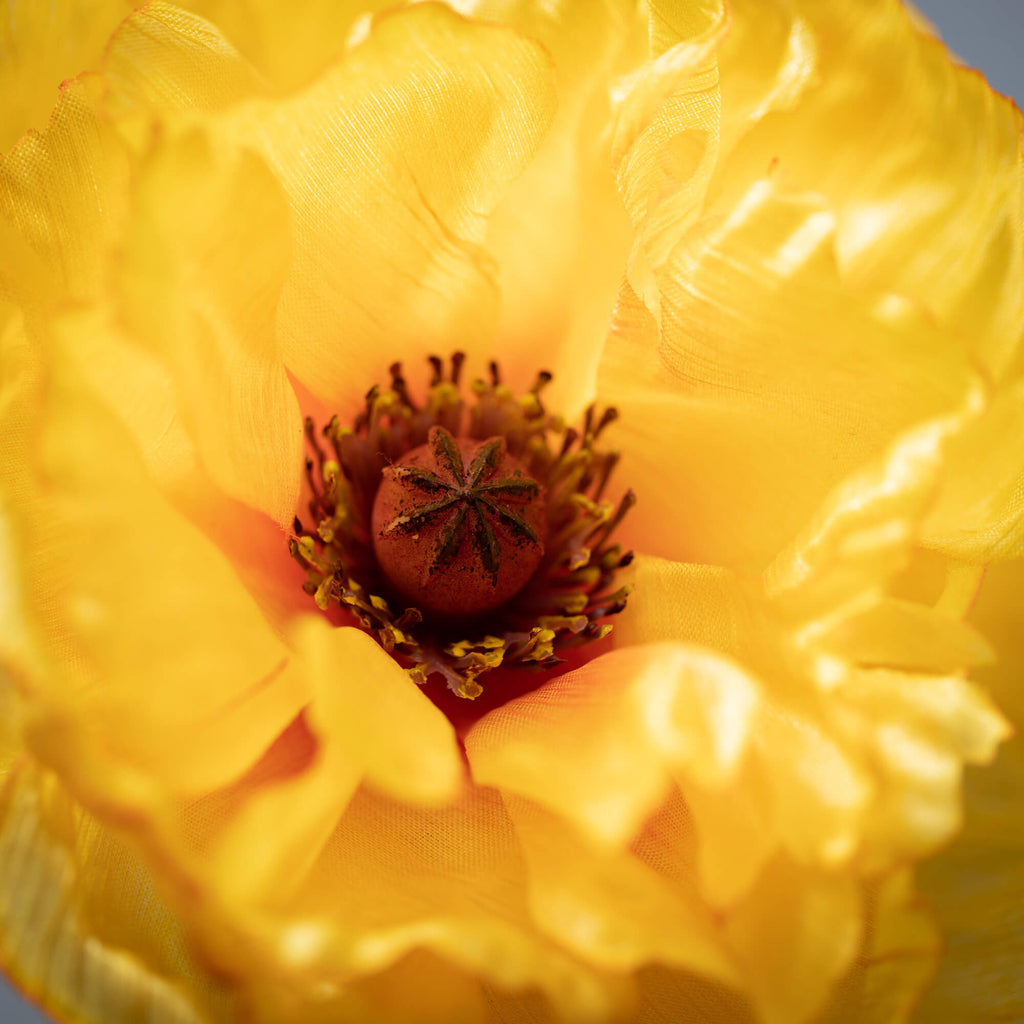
(467, 500)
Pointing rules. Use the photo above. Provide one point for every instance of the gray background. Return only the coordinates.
(988, 34)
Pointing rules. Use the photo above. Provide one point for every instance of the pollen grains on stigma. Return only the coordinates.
(464, 531)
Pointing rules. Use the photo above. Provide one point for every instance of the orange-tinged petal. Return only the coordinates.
(598, 745)
(367, 706)
(148, 602)
(200, 286)
(558, 285)
(42, 45)
(611, 908)
(697, 604)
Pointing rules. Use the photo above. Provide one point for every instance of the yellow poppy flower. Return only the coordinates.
(784, 241)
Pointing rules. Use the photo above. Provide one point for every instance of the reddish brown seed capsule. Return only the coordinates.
(458, 525)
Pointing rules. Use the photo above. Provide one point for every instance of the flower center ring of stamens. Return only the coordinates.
(464, 534)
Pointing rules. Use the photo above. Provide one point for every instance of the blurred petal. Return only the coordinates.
(609, 907)
(147, 601)
(896, 961)
(200, 285)
(42, 45)
(598, 745)
(64, 191)
(976, 886)
(794, 936)
(290, 45)
(70, 898)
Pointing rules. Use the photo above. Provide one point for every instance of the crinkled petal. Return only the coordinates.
(611, 908)
(929, 201)
(980, 512)
(762, 353)
(598, 745)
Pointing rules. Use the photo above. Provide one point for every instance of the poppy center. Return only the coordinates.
(458, 525)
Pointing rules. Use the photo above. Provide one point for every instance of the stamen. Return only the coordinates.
(464, 536)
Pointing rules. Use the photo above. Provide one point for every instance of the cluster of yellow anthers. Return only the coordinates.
(782, 238)
(567, 593)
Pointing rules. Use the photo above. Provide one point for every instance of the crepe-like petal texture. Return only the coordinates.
(783, 241)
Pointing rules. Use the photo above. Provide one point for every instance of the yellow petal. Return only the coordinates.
(200, 286)
(387, 260)
(794, 936)
(146, 602)
(598, 745)
(929, 200)
(42, 45)
(557, 285)
(980, 512)
(364, 703)
(763, 354)
(73, 936)
(697, 604)
(65, 190)
(289, 45)
(899, 951)
(975, 885)
(151, 65)
(611, 908)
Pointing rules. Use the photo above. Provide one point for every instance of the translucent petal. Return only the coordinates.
(761, 353)
(200, 286)
(64, 191)
(698, 604)
(609, 907)
(366, 288)
(147, 601)
(558, 285)
(84, 931)
(42, 45)
(597, 745)
(793, 937)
